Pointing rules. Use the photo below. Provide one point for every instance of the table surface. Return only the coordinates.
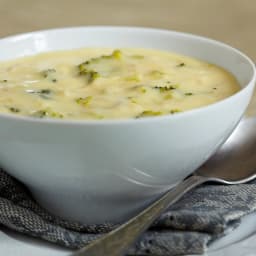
(231, 21)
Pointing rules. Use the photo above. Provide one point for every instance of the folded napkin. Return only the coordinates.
(187, 227)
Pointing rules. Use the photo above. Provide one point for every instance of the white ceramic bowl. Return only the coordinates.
(97, 171)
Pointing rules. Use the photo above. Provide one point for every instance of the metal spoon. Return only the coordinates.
(233, 163)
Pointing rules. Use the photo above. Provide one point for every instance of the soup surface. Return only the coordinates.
(103, 83)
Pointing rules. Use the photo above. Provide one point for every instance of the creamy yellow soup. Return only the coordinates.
(102, 83)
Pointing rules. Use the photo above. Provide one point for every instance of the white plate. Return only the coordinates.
(241, 242)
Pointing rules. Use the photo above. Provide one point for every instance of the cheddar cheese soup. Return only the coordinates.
(95, 83)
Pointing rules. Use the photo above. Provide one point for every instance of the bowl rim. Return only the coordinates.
(120, 121)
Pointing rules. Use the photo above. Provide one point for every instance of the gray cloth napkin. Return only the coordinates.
(187, 227)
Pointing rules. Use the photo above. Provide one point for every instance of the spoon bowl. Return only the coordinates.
(235, 161)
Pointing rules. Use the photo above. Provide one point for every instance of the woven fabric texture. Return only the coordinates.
(187, 227)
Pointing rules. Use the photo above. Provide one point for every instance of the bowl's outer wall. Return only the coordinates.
(97, 167)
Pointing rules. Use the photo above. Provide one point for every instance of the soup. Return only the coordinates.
(102, 83)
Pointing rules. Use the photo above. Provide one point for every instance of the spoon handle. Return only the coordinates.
(116, 242)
